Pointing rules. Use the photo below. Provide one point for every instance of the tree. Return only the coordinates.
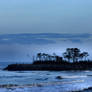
(76, 54)
(39, 56)
(44, 56)
(81, 56)
(72, 54)
(58, 59)
(85, 54)
(67, 54)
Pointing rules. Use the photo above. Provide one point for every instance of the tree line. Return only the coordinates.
(70, 55)
(75, 55)
(54, 62)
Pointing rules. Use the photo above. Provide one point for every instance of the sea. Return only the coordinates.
(45, 81)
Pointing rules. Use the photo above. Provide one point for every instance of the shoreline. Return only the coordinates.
(50, 67)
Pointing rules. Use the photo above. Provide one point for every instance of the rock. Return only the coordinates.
(89, 75)
(46, 79)
(59, 77)
(39, 85)
(42, 79)
(47, 74)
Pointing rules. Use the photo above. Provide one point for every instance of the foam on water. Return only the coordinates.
(50, 88)
(44, 81)
(73, 76)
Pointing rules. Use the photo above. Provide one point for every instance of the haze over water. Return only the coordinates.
(68, 18)
(22, 47)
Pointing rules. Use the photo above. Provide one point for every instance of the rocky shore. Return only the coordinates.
(50, 67)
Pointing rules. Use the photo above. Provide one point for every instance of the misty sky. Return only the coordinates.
(60, 19)
(45, 16)
(22, 47)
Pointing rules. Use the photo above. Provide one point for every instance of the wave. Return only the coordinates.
(40, 84)
(86, 89)
(73, 76)
(40, 88)
(12, 76)
(50, 86)
(87, 71)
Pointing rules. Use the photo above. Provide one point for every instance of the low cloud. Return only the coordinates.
(17, 47)
(43, 39)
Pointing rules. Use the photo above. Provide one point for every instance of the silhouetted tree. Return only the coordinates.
(44, 56)
(58, 58)
(72, 54)
(85, 54)
(75, 54)
(54, 56)
(81, 56)
(68, 54)
(39, 56)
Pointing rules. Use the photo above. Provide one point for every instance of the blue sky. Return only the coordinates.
(45, 16)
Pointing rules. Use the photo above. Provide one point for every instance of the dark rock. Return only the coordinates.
(59, 77)
(89, 75)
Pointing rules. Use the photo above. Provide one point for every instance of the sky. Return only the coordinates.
(22, 47)
(45, 16)
(28, 27)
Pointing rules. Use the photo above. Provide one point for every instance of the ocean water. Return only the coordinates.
(44, 81)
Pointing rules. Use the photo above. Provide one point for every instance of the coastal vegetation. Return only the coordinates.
(71, 59)
(71, 55)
